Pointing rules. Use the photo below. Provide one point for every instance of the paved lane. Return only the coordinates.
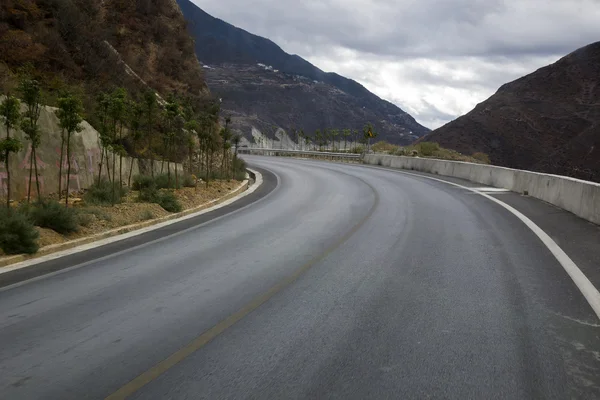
(412, 289)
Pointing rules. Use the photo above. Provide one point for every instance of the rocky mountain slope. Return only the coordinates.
(262, 86)
(547, 121)
(89, 46)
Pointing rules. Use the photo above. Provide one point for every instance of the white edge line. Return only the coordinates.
(584, 285)
(491, 189)
(102, 242)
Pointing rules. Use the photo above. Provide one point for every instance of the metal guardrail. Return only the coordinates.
(307, 153)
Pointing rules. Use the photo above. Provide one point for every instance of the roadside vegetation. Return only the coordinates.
(428, 150)
(191, 143)
(334, 140)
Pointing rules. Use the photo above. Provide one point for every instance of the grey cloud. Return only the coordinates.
(488, 72)
(433, 116)
(496, 41)
(423, 28)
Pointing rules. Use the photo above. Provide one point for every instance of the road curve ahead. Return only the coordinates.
(344, 282)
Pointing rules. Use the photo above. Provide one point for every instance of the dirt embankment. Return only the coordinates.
(95, 220)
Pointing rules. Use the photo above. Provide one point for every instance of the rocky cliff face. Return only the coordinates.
(262, 86)
(548, 121)
(85, 158)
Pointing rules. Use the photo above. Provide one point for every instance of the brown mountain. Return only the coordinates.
(90, 46)
(547, 121)
(261, 85)
(262, 98)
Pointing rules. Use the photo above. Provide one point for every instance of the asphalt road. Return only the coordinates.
(343, 282)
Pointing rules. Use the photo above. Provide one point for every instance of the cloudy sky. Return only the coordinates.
(436, 59)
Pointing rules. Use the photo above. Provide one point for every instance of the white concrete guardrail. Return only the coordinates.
(307, 153)
(582, 198)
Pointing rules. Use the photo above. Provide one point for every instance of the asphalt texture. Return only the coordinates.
(345, 282)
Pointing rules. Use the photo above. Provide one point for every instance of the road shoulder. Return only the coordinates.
(578, 238)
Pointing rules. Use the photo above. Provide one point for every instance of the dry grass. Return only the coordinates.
(105, 218)
(429, 150)
(384, 147)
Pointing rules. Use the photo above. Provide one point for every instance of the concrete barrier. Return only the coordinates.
(582, 198)
(305, 153)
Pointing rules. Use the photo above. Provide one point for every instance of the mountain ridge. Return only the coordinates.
(546, 121)
(221, 44)
(89, 47)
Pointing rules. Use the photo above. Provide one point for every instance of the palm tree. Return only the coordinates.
(192, 127)
(69, 116)
(31, 92)
(355, 134)
(136, 112)
(225, 137)
(319, 139)
(325, 137)
(334, 134)
(295, 135)
(307, 141)
(274, 135)
(347, 133)
(170, 114)
(301, 140)
(117, 114)
(150, 111)
(213, 145)
(9, 114)
(236, 139)
(202, 132)
(104, 102)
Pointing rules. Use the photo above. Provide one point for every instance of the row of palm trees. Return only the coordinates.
(174, 130)
(325, 139)
(68, 113)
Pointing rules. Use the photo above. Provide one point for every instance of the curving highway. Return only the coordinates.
(332, 281)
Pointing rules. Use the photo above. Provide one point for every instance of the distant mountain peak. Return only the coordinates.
(219, 43)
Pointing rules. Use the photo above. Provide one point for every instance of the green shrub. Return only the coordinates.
(84, 219)
(240, 175)
(166, 200)
(17, 233)
(211, 177)
(25, 209)
(55, 216)
(239, 172)
(428, 149)
(408, 151)
(146, 215)
(169, 202)
(162, 181)
(188, 181)
(239, 169)
(482, 157)
(384, 147)
(401, 151)
(142, 182)
(240, 164)
(357, 150)
(102, 193)
(148, 195)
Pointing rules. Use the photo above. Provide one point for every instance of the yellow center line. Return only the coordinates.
(196, 344)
